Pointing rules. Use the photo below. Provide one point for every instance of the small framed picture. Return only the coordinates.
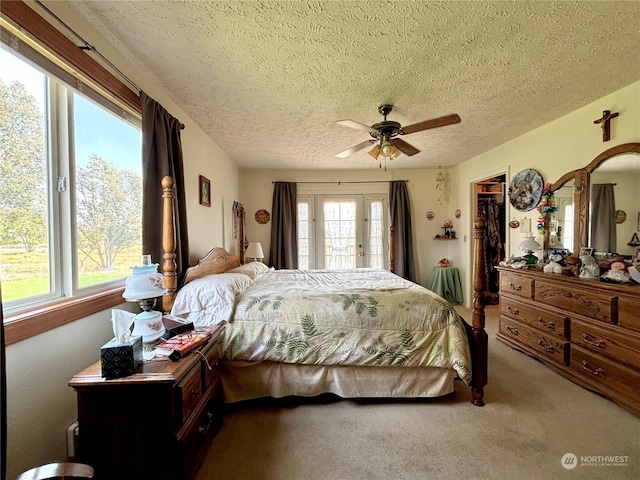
(205, 191)
(636, 257)
(586, 251)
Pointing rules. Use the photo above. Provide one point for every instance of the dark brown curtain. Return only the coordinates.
(400, 210)
(603, 236)
(284, 226)
(162, 156)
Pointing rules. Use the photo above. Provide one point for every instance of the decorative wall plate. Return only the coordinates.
(458, 213)
(262, 216)
(621, 216)
(525, 190)
(514, 223)
(430, 215)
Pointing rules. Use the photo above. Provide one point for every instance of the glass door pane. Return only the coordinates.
(341, 232)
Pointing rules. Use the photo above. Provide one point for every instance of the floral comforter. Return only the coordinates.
(363, 317)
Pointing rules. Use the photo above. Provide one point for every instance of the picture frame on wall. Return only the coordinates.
(205, 191)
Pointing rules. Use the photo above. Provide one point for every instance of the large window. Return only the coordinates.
(71, 188)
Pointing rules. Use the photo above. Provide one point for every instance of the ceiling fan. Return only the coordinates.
(385, 134)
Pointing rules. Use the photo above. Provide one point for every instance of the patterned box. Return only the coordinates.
(121, 359)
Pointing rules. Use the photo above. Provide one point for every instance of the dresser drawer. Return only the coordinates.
(600, 306)
(605, 373)
(622, 347)
(552, 323)
(190, 391)
(548, 345)
(516, 284)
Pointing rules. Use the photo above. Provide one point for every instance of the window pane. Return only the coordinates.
(340, 234)
(108, 194)
(25, 246)
(376, 245)
(303, 235)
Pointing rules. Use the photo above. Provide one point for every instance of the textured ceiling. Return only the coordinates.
(267, 80)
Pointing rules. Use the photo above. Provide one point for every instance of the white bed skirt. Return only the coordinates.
(245, 381)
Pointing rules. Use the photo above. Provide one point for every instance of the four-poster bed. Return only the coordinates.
(320, 342)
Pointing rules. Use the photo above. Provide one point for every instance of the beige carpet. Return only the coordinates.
(532, 418)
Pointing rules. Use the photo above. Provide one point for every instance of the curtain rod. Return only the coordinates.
(361, 181)
(88, 47)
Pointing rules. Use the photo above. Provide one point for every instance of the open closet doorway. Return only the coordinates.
(490, 205)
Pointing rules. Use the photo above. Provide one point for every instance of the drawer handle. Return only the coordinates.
(589, 339)
(549, 325)
(512, 330)
(598, 372)
(515, 311)
(515, 287)
(203, 429)
(195, 392)
(545, 346)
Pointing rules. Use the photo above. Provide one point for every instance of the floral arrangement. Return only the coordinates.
(546, 207)
(444, 262)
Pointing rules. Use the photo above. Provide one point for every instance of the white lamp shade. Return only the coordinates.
(529, 245)
(254, 250)
(143, 286)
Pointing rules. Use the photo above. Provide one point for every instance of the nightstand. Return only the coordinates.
(155, 424)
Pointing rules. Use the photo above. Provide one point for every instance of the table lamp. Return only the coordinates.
(254, 250)
(144, 287)
(528, 246)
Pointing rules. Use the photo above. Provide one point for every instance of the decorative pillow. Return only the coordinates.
(251, 269)
(210, 299)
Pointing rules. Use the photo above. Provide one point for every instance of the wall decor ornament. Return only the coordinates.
(514, 223)
(262, 216)
(621, 216)
(525, 190)
(458, 213)
(205, 191)
(546, 207)
(430, 215)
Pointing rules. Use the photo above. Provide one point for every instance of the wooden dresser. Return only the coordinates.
(155, 424)
(586, 330)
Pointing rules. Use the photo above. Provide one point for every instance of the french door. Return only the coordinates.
(340, 231)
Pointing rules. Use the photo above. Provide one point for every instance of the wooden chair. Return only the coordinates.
(53, 471)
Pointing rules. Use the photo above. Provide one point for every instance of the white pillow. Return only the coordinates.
(251, 269)
(210, 299)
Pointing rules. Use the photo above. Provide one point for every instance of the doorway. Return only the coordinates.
(490, 206)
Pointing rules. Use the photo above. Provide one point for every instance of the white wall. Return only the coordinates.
(563, 145)
(40, 404)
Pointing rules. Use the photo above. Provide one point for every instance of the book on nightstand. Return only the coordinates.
(175, 325)
(179, 345)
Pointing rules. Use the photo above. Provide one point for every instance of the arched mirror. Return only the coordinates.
(606, 202)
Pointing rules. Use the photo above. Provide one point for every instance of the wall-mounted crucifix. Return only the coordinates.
(604, 124)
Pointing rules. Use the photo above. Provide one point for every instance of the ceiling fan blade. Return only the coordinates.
(354, 149)
(433, 123)
(357, 126)
(404, 147)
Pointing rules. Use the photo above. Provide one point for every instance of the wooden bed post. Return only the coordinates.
(169, 265)
(392, 249)
(478, 337)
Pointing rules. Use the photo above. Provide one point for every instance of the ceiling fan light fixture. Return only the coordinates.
(374, 152)
(386, 148)
(395, 153)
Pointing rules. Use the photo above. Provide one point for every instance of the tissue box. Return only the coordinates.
(121, 359)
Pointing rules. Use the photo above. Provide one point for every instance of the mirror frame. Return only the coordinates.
(582, 192)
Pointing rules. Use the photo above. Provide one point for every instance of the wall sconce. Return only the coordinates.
(254, 250)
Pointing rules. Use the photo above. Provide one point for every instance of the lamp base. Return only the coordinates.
(149, 326)
(530, 258)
